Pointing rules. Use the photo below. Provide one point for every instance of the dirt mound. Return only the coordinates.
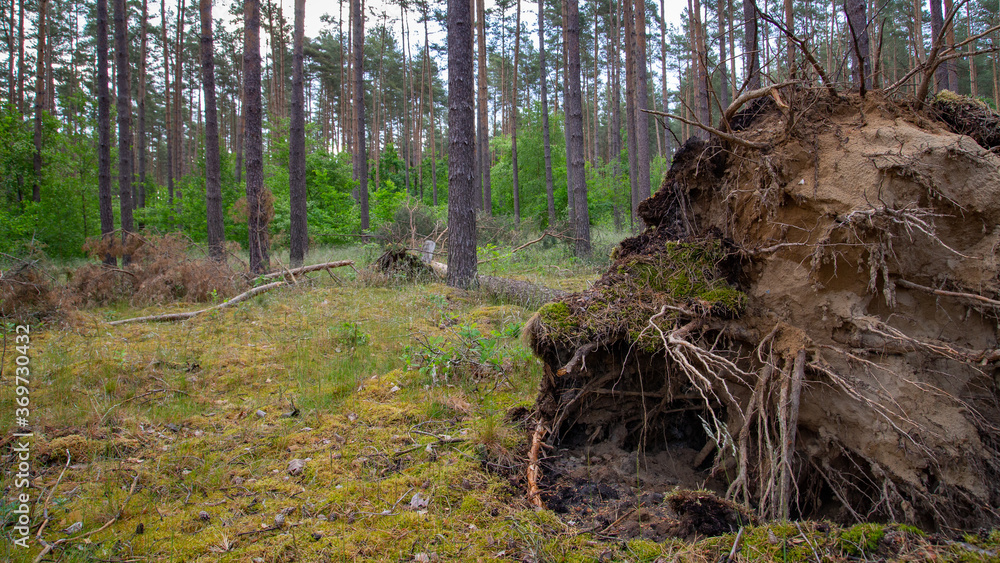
(810, 330)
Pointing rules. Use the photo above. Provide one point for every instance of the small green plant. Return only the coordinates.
(861, 539)
(350, 334)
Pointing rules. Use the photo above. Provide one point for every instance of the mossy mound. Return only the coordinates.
(969, 116)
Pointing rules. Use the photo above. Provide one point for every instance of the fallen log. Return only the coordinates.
(289, 276)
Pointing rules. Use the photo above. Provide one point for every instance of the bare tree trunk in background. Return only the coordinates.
(615, 146)
(257, 219)
(11, 86)
(167, 98)
(951, 65)
(789, 46)
(723, 75)
(642, 102)
(973, 87)
(941, 78)
(140, 191)
(631, 127)
(124, 123)
(513, 119)
(298, 229)
(576, 178)
(241, 126)
(462, 264)
(20, 56)
(36, 188)
(432, 133)
(857, 24)
(360, 155)
(213, 182)
(704, 108)
(104, 133)
(546, 141)
(570, 208)
(751, 45)
(484, 139)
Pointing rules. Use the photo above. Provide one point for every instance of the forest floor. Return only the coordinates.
(336, 420)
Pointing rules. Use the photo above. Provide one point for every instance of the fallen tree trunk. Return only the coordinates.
(289, 280)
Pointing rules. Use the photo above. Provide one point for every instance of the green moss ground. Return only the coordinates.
(379, 418)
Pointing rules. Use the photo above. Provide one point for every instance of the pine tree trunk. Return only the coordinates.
(513, 119)
(723, 75)
(405, 137)
(461, 148)
(941, 79)
(11, 86)
(546, 140)
(432, 133)
(789, 46)
(973, 87)
(575, 176)
(631, 127)
(20, 56)
(484, 140)
(615, 146)
(857, 24)
(751, 45)
(36, 188)
(360, 155)
(140, 191)
(951, 65)
(256, 214)
(663, 71)
(104, 134)
(298, 229)
(124, 123)
(703, 84)
(642, 104)
(213, 182)
(167, 101)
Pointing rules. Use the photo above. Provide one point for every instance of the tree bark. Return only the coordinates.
(723, 75)
(124, 123)
(298, 229)
(140, 191)
(104, 134)
(951, 65)
(20, 56)
(513, 119)
(484, 139)
(941, 78)
(213, 182)
(703, 83)
(462, 264)
(751, 45)
(857, 24)
(36, 188)
(642, 100)
(789, 45)
(631, 125)
(360, 150)
(546, 140)
(167, 99)
(576, 177)
(256, 215)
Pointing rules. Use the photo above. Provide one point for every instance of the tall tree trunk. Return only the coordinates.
(167, 101)
(461, 148)
(751, 45)
(789, 46)
(11, 85)
(140, 191)
(704, 79)
(615, 146)
(36, 188)
(941, 78)
(484, 140)
(663, 71)
(104, 135)
(20, 56)
(432, 133)
(723, 75)
(951, 65)
(857, 24)
(256, 213)
(973, 87)
(642, 104)
(213, 182)
(513, 119)
(360, 155)
(297, 146)
(631, 126)
(405, 137)
(546, 141)
(124, 124)
(241, 125)
(575, 176)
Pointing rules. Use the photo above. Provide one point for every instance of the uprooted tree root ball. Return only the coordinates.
(809, 330)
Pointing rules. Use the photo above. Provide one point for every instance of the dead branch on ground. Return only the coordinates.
(534, 471)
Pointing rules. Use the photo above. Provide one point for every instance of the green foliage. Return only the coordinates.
(861, 539)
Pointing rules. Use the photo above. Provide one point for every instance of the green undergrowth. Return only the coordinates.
(397, 399)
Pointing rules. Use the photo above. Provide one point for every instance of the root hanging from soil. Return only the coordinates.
(811, 332)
